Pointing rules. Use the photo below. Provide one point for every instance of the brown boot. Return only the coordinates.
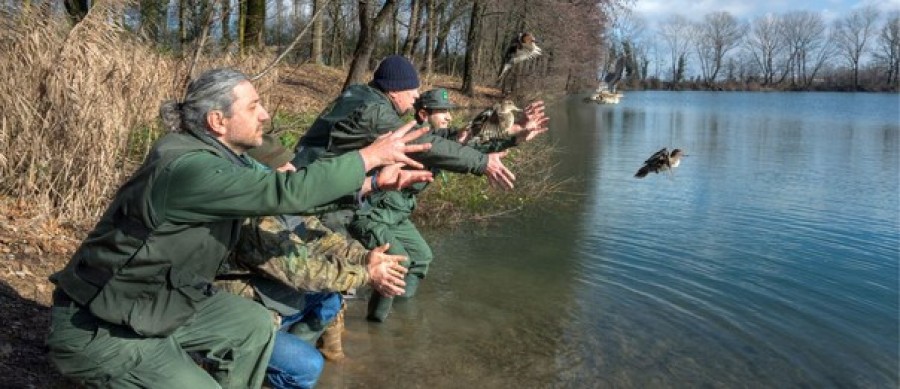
(330, 342)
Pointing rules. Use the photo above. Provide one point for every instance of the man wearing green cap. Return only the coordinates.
(360, 114)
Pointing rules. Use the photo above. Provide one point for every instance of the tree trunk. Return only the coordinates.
(254, 24)
(412, 31)
(225, 22)
(429, 38)
(365, 45)
(395, 31)
(336, 58)
(472, 46)
(182, 25)
(318, 30)
(242, 27)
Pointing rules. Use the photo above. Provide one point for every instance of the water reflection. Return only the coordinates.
(770, 258)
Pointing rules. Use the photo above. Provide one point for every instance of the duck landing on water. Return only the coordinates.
(660, 161)
(606, 91)
(604, 98)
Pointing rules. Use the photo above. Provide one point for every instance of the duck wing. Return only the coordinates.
(611, 79)
(478, 123)
(660, 156)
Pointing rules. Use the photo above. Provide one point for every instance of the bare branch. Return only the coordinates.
(294, 43)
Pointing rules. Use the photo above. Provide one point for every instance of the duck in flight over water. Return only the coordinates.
(523, 47)
(660, 161)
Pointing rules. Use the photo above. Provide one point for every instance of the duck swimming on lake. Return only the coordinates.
(660, 161)
(523, 47)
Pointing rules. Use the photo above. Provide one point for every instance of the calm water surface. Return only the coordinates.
(769, 259)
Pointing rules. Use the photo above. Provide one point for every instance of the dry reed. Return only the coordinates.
(74, 99)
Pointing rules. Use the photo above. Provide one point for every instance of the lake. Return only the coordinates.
(768, 259)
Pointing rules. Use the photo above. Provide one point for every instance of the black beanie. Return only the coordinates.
(396, 73)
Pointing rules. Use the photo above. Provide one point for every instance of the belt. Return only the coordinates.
(61, 299)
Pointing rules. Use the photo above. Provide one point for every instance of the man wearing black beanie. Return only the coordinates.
(356, 118)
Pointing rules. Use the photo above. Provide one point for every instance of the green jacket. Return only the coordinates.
(154, 253)
(360, 115)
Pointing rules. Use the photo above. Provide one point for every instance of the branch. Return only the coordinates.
(203, 35)
(294, 43)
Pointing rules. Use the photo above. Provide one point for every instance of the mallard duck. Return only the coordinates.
(660, 161)
(494, 122)
(523, 47)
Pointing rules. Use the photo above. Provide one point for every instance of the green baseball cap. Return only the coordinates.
(437, 98)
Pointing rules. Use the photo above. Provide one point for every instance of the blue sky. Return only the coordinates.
(657, 10)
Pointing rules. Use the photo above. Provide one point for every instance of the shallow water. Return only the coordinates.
(769, 259)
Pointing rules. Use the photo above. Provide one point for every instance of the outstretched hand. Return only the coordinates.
(394, 177)
(392, 148)
(385, 271)
(497, 173)
(535, 123)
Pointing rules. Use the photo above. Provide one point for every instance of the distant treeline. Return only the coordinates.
(465, 38)
(798, 50)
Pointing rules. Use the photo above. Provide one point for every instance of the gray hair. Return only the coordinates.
(211, 91)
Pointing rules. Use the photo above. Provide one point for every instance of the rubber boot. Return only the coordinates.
(412, 285)
(379, 307)
(330, 343)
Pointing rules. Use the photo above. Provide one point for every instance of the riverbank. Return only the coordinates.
(33, 244)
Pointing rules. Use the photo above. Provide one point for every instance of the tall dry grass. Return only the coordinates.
(80, 107)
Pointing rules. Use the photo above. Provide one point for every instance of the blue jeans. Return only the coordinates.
(295, 363)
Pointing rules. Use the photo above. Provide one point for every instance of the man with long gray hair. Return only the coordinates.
(137, 296)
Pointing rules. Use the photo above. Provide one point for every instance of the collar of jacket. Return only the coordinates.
(386, 97)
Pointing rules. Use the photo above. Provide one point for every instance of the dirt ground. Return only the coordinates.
(33, 246)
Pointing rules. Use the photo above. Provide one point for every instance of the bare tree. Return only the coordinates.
(805, 35)
(254, 24)
(473, 45)
(318, 30)
(764, 44)
(717, 35)
(413, 30)
(365, 44)
(448, 19)
(430, 32)
(675, 33)
(888, 48)
(336, 56)
(225, 22)
(851, 35)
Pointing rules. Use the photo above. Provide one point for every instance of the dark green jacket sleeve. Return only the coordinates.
(183, 195)
(369, 121)
(450, 155)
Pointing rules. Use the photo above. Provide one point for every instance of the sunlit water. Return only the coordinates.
(769, 259)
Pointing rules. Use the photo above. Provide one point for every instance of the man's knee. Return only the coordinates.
(248, 320)
(294, 363)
